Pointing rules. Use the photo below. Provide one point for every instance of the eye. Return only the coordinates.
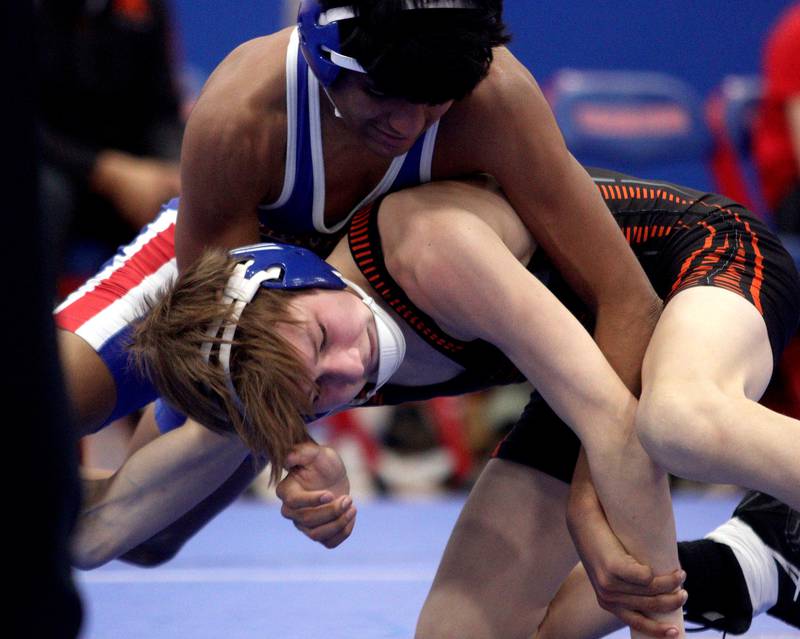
(324, 337)
(375, 93)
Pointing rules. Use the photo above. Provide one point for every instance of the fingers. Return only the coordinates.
(636, 603)
(333, 533)
(665, 584)
(631, 572)
(295, 496)
(313, 517)
(327, 514)
(645, 625)
(613, 580)
(329, 524)
(648, 605)
(338, 538)
(613, 584)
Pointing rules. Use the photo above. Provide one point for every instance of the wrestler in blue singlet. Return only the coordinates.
(298, 215)
(103, 310)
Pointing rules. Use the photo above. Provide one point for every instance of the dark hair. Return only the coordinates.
(427, 55)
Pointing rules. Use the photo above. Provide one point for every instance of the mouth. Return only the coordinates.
(390, 139)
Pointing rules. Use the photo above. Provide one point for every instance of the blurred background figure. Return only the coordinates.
(776, 139)
(110, 124)
(110, 128)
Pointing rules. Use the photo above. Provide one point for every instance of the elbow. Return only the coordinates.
(89, 553)
(149, 555)
(144, 556)
(87, 556)
(94, 545)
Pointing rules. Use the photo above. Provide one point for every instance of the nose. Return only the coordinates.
(408, 119)
(344, 365)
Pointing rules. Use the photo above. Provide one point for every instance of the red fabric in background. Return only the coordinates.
(772, 145)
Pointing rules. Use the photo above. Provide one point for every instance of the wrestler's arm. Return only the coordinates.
(563, 209)
(506, 128)
(156, 485)
(446, 251)
(232, 153)
(166, 543)
(618, 589)
(315, 493)
(462, 260)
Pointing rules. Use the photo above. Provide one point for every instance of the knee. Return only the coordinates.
(680, 426)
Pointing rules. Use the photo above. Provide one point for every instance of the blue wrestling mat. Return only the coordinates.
(251, 575)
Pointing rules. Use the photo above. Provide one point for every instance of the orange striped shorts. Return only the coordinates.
(685, 238)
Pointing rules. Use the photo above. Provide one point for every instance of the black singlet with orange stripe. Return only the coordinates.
(682, 238)
(685, 238)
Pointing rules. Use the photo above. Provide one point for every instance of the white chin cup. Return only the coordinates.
(391, 342)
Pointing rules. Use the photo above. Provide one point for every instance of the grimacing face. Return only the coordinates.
(336, 338)
(389, 126)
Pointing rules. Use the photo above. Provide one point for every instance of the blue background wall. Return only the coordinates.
(698, 40)
(210, 29)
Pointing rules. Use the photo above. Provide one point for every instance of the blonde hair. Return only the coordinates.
(266, 370)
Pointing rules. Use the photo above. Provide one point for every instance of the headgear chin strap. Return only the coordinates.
(320, 41)
(391, 342)
(281, 266)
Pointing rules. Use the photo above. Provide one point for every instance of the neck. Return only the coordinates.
(342, 261)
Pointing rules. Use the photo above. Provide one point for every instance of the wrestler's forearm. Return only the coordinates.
(165, 544)
(635, 496)
(155, 486)
(623, 331)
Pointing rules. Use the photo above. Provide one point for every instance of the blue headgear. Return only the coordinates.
(320, 41)
(281, 266)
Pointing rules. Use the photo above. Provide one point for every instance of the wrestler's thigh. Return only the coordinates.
(708, 335)
(506, 557)
(90, 386)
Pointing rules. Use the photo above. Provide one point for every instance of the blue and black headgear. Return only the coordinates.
(281, 266)
(320, 39)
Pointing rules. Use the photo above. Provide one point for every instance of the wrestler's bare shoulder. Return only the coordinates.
(241, 113)
(250, 82)
(490, 115)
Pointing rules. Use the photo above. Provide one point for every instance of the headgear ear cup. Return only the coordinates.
(319, 37)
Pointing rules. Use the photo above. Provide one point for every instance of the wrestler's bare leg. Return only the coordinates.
(506, 557)
(706, 366)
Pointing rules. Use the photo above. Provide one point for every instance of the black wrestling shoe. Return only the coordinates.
(778, 526)
(718, 595)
